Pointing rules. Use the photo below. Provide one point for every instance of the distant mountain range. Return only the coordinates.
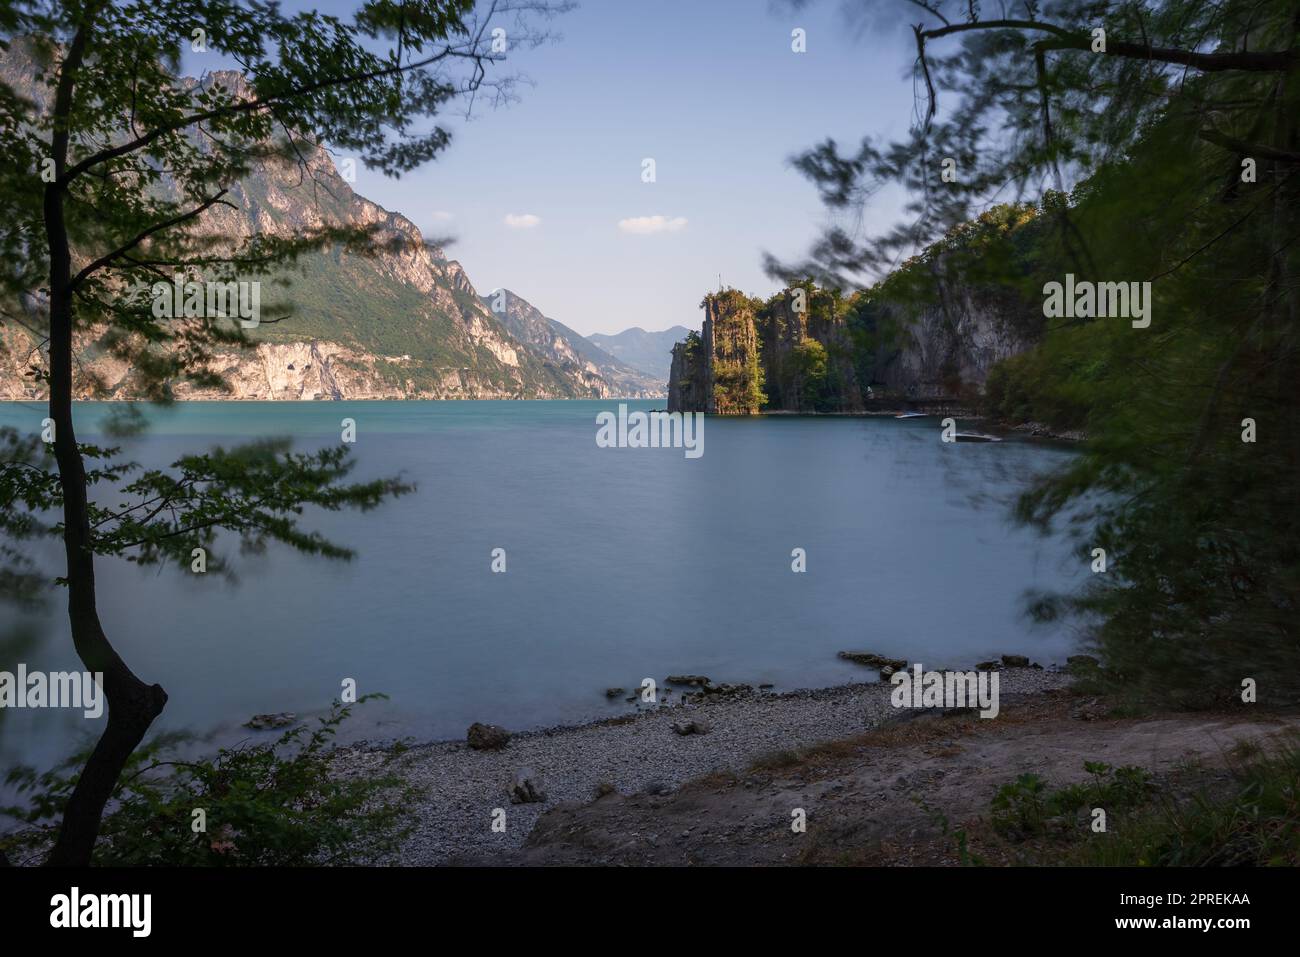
(650, 352)
(570, 350)
(401, 323)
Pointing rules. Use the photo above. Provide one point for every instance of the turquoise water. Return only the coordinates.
(621, 564)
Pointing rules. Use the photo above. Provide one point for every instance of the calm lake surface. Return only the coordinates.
(622, 563)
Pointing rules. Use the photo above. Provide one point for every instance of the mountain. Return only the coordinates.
(648, 352)
(569, 350)
(397, 322)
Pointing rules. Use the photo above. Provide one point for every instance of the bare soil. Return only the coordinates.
(891, 796)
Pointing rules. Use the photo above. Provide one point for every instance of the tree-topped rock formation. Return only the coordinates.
(934, 330)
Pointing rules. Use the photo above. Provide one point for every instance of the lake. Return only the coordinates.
(621, 564)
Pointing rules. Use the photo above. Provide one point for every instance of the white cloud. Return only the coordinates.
(441, 216)
(522, 220)
(645, 225)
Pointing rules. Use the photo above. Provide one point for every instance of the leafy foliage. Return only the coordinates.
(1169, 157)
(257, 491)
(1026, 807)
(1252, 821)
(120, 175)
(282, 804)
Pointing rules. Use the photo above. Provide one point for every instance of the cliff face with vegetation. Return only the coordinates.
(935, 331)
(948, 349)
(721, 369)
(401, 321)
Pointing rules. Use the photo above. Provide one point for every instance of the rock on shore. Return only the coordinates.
(460, 788)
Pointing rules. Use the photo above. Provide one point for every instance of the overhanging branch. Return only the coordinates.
(122, 250)
(1256, 61)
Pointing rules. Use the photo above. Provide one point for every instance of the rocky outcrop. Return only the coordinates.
(807, 357)
(689, 385)
(945, 349)
(721, 372)
(818, 354)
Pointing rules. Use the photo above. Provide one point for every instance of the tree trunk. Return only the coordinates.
(132, 705)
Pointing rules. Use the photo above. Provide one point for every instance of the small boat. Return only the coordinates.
(975, 437)
(912, 415)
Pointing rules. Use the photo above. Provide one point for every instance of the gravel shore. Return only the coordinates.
(459, 788)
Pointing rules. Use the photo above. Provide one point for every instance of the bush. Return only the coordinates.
(1026, 808)
(277, 804)
(1256, 821)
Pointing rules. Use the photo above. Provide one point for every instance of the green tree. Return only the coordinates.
(1158, 140)
(113, 164)
(809, 360)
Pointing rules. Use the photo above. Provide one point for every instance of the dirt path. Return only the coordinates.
(877, 798)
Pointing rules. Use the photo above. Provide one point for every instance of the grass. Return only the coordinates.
(1245, 815)
(1251, 819)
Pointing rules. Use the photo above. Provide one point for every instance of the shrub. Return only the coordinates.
(277, 804)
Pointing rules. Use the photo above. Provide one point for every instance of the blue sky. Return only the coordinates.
(711, 90)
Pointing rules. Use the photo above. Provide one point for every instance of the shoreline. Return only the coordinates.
(1030, 430)
(460, 789)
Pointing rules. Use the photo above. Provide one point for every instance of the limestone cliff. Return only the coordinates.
(945, 349)
(823, 355)
(752, 356)
(807, 355)
(721, 370)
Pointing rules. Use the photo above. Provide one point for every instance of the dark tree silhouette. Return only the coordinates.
(113, 161)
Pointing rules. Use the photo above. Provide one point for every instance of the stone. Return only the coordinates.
(690, 727)
(726, 689)
(873, 660)
(265, 722)
(695, 680)
(486, 737)
(526, 787)
(614, 692)
(1090, 710)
